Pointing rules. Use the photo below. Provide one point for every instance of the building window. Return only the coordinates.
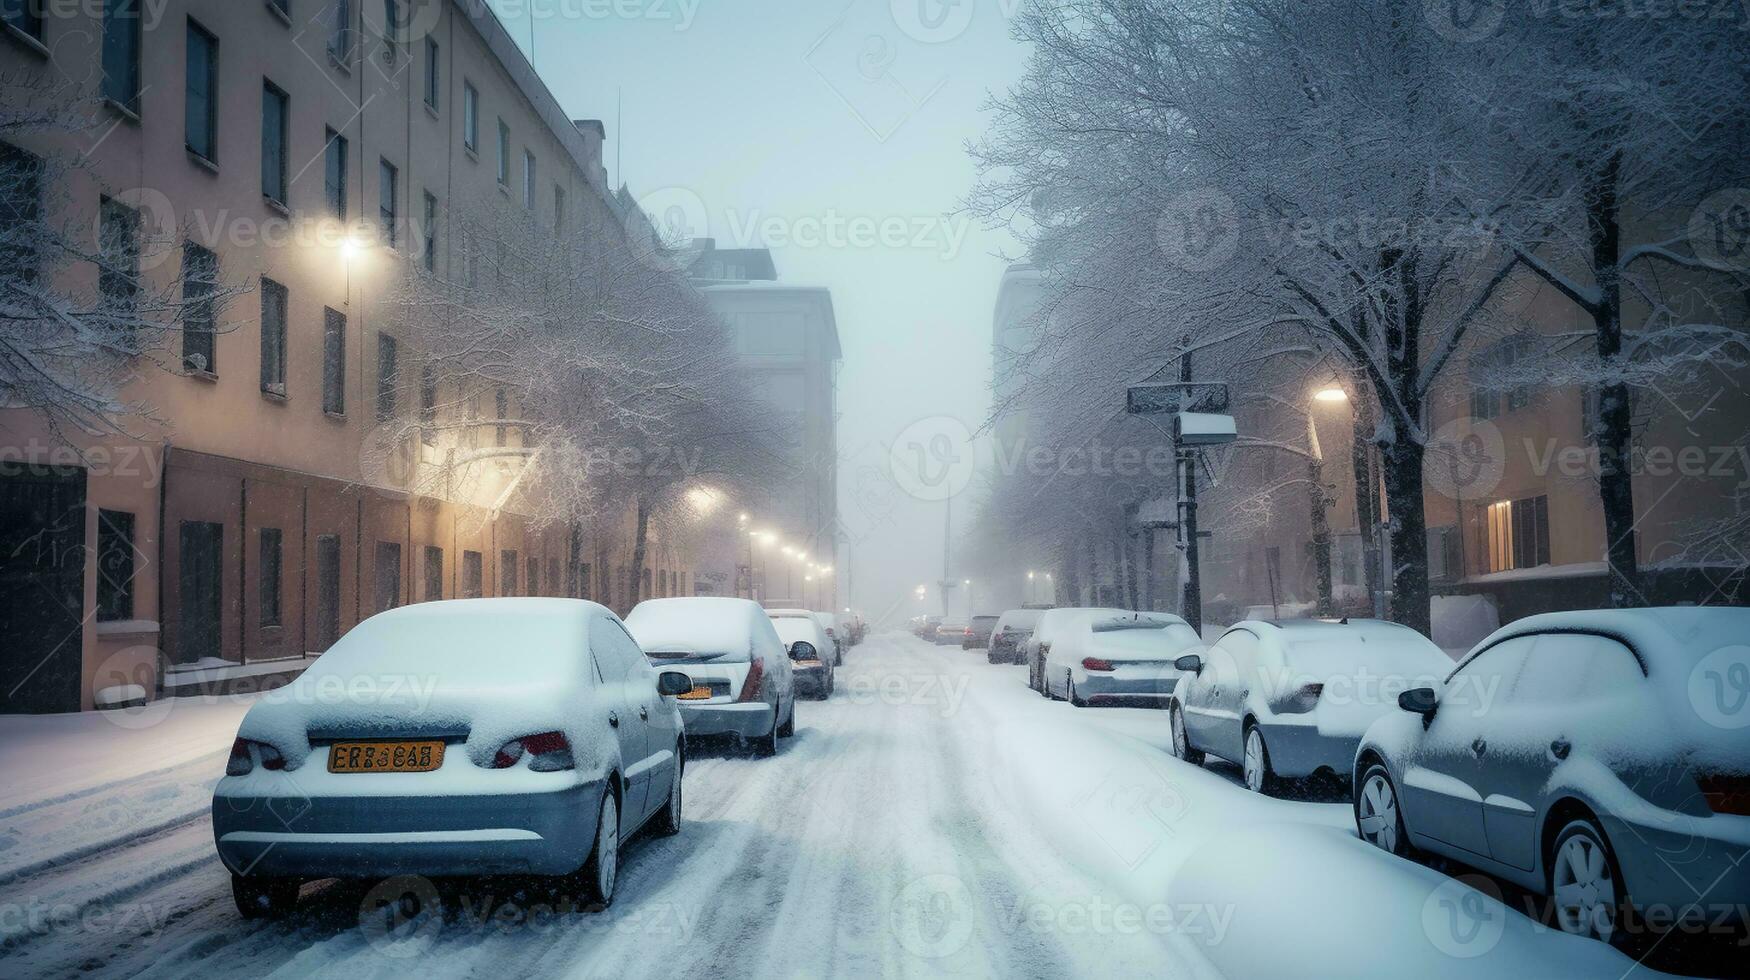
(388, 575)
(433, 73)
(334, 175)
(333, 362)
(1503, 360)
(274, 302)
(1516, 534)
(327, 591)
(118, 277)
(392, 32)
(115, 566)
(388, 179)
(340, 32)
(275, 117)
(503, 154)
(528, 180)
(583, 582)
(272, 559)
(553, 574)
(283, 6)
(501, 409)
(388, 376)
(472, 575)
(433, 574)
(507, 573)
(532, 576)
(200, 95)
(21, 209)
(428, 387)
(470, 117)
(200, 280)
(24, 15)
(200, 579)
(429, 247)
(121, 53)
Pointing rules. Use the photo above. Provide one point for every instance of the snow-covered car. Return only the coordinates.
(1012, 629)
(835, 637)
(830, 652)
(1292, 699)
(742, 685)
(805, 642)
(1587, 756)
(1129, 659)
(978, 633)
(479, 736)
(950, 632)
(1035, 648)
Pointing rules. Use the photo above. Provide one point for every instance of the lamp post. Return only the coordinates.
(1367, 505)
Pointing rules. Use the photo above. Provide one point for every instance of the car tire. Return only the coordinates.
(601, 873)
(264, 897)
(1379, 812)
(1181, 737)
(1582, 864)
(788, 728)
(1255, 764)
(668, 822)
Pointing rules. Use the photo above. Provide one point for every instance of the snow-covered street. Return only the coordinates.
(936, 817)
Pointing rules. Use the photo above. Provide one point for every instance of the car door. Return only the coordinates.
(1443, 779)
(661, 722)
(1201, 691)
(612, 649)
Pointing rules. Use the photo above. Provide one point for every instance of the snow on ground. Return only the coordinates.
(934, 818)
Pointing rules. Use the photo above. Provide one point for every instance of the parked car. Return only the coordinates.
(1011, 630)
(1586, 756)
(924, 627)
(741, 680)
(545, 740)
(830, 651)
(950, 632)
(836, 638)
(1292, 699)
(1127, 659)
(803, 641)
(1051, 622)
(978, 632)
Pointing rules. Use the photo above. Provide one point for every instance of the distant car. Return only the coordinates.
(950, 632)
(742, 684)
(1292, 699)
(978, 633)
(545, 740)
(1051, 622)
(1587, 756)
(1127, 659)
(1011, 630)
(924, 627)
(805, 642)
(830, 651)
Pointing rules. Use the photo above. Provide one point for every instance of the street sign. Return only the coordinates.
(1172, 397)
(1201, 429)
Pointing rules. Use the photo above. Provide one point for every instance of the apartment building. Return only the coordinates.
(308, 152)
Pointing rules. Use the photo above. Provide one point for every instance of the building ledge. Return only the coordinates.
(1583, 569)
(127, 627)
(204, 677)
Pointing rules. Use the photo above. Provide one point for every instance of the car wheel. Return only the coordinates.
(1378, 818)
(668, 823)
(264, 897)
(1181, 738)
(1256, 765)
(602, 871)
(1585, 886)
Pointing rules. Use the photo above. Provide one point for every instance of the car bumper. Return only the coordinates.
(543, 833)
(1128, 684)
(1303, 750)
(813, 680)
(1677, 865)
(744, 719)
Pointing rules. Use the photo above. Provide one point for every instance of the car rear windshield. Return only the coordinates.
(984, 620)
(668, 657)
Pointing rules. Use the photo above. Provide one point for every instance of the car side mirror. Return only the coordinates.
(1190, 663)
(1421, 700)
(803, 650)
(671, 683)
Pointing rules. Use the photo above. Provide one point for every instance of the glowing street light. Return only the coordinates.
(1331, 395)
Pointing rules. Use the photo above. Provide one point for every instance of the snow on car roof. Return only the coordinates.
(1135, 621)
(718, 624)
(452, 635)
(793, 628)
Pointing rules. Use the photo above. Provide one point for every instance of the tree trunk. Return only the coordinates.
(1366, 509)
(1402, 469)
(1321, 538)
(640, 549)
(1611, 430)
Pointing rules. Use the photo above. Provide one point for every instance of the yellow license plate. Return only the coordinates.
(422, 756)
(808, 663)
(700, 693)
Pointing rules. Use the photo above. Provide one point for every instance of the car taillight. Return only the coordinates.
(548, 752)
(1726, 794)
(246, 754)
(1095, 663)
(750, 688)
(1303, 699)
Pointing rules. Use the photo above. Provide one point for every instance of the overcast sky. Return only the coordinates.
(815, 113)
